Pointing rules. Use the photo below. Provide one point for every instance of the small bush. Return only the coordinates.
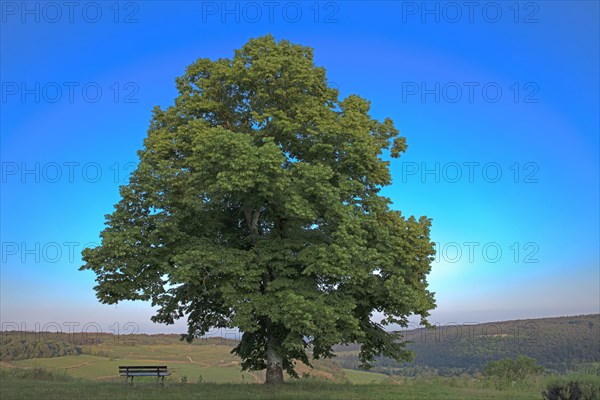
(509, 374)
(510, 369)
(38, 374)
(573, 388)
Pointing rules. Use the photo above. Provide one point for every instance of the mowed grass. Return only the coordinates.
(81, 389)
(363, 377)
(207, 354)
(211, 372)
(101, 368)
(206, 362)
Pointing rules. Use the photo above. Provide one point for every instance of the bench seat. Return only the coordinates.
(131, 371)
(145, 374)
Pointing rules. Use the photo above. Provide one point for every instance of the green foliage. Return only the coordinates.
(300, 389)
(38, 374)
(573, 387)
(510, 369)
(507, 373)
(558, 344)
(256, 205)
(22, 346)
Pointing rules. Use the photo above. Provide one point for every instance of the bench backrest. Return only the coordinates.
(151, 369)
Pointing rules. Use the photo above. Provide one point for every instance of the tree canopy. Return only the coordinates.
(255, 205)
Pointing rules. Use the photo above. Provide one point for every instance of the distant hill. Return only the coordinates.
(18, 347)
(97, 357)
(557, 344)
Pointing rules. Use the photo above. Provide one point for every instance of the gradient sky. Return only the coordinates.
(499, 104)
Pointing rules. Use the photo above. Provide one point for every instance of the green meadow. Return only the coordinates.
(206, 369)
(213, 363)
(209, 371)
(303, 389)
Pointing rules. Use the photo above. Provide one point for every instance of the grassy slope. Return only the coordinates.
(363, 377)
(556, 343)
(212, 362)
(95, 377)
(26, 389)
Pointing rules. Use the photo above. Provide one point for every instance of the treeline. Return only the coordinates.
(558, 344)
(19, 345)
(14, 347)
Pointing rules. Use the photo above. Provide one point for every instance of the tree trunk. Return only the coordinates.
(274, 364)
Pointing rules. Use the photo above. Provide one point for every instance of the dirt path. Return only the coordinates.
(7, 364)
(75, 366)
(108, 378)
(258, 378)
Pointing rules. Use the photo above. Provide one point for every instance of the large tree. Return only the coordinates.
(256, 205)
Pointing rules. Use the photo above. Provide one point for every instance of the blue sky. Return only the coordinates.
(499, 104)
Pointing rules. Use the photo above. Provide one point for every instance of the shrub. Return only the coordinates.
(508, 373)
(510, 369)
(573, 388)
(38, 374)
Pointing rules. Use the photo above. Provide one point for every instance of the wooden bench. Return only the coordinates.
(131, 371)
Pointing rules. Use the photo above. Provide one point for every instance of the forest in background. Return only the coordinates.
(558, 344)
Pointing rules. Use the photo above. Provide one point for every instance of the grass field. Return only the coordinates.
(208, 370)
(363, 377)
(213, 363)
(95, 378)
(208, 362)
(101, 368)
(13, 389)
